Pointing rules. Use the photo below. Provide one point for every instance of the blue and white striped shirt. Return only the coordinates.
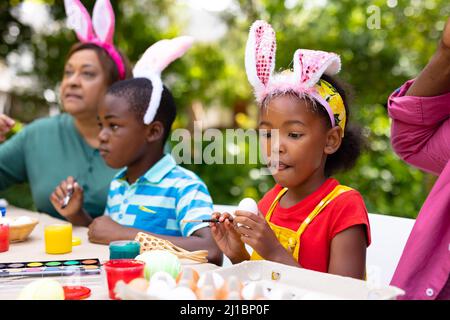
(159, 200)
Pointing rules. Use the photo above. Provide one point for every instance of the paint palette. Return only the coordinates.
(51, 268)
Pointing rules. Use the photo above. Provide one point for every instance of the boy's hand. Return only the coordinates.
(256, 232)
(75, 204)
(6, 124)
(227, 238)
(103, 230)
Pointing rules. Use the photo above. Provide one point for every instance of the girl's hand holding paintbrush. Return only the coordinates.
(228, 239)
(68, 201)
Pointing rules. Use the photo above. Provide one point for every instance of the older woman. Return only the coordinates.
(420, 111)
(49, 150)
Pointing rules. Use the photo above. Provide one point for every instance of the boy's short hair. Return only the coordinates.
(137, 92)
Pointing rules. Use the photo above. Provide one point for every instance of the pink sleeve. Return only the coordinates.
(420, 131)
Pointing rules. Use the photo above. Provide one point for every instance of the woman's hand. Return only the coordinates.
(6, 124)
(227, 238)
(75, 204)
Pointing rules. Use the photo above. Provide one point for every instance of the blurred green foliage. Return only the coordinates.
(379, 52)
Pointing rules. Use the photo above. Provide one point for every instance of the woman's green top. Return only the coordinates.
(46, 152)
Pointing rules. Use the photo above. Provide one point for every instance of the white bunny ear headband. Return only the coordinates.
(309, 65)
(154, 60)
(98, 31)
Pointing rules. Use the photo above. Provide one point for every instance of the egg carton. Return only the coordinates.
(280, 281)
(273, 281)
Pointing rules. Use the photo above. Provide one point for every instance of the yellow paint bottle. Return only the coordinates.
(58, 238)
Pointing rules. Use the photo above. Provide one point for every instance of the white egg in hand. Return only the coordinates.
(248, 204)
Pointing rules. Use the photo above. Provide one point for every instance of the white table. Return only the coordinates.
(33, 249)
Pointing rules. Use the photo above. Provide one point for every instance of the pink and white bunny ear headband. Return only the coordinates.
(98, 31)
(154, 60)
(309, 65)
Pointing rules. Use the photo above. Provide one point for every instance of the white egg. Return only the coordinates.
(252, 291)
(42, 289)
(211, 279)
(3, 203)
(181, 293)
(4, 220)
(184, 283)
(207, 292)
(164, 276)
(160, 260)
(188, 274)
(158, 289)
(234, 284)
(248, 204)
(21, 220)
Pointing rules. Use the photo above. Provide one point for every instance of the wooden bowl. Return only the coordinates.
(21, 232)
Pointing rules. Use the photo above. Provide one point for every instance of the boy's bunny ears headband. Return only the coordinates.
(98, 31)
(154, 60)
(305, 80)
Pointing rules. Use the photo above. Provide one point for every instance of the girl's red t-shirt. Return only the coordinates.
(345, 211)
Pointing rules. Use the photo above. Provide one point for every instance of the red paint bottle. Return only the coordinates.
(4, 237)
(4, 232)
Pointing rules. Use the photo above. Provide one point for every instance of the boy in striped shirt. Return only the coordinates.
(152, 193)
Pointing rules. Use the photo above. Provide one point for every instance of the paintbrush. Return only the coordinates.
(201, 220)
(68, 197)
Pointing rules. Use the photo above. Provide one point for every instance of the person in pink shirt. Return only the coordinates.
(420, 135)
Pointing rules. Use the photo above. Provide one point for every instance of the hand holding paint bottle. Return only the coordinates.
(68, 198)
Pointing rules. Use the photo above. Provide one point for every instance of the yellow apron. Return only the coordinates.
(288, 238)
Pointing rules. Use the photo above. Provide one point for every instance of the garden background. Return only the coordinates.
(381, 43)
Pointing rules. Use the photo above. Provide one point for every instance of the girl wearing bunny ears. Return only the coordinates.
(49, 150)
(308, 219)
(152, 193)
